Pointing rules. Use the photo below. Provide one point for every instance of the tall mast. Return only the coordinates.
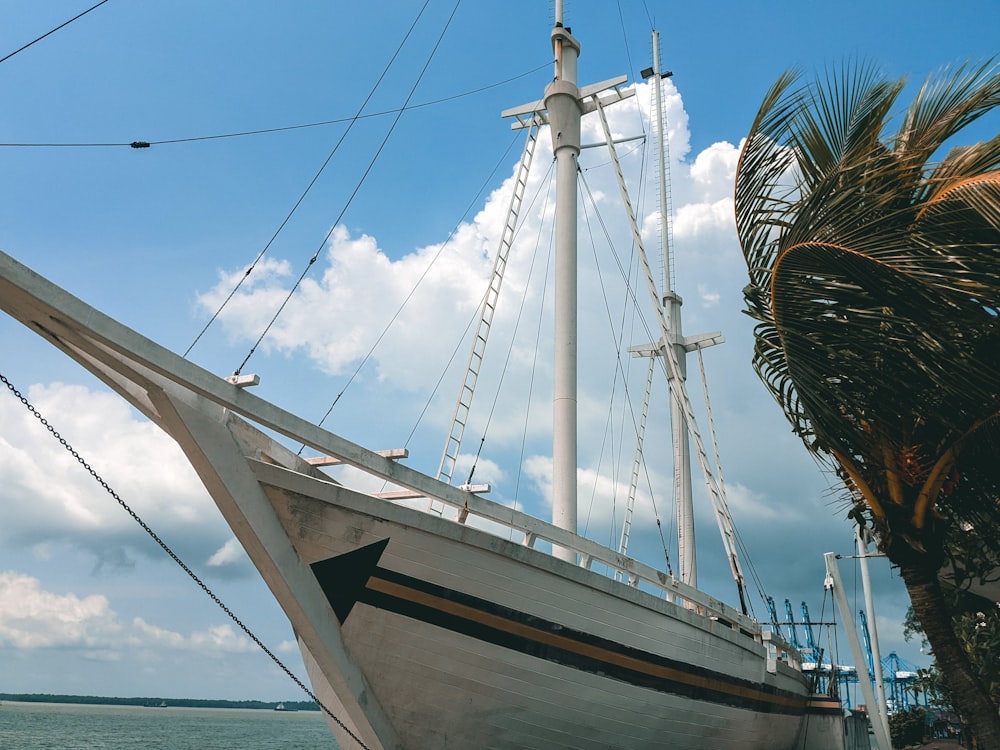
(686, 557)
(562, 100)
(563, 108)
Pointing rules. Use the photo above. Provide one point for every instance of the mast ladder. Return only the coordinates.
(636, 464)
(467, 390)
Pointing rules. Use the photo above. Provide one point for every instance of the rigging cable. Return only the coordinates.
(371, 351)
(53, 31)
(357, 188)
(609, 423)
(302, 197)
(173, 556)
(535, 350)
(138, 144)
(631, 294)
(517, 325)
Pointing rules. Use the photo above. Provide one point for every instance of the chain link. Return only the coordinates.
(173, 556)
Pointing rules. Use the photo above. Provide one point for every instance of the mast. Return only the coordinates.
(563, 108)
(562, 99)
(686, 557)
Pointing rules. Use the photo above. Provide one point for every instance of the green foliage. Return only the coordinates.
(872, 247)
(907, 727)
(872, 262)
(977, 625)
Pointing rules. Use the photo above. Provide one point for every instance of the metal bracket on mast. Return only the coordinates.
(534, 113)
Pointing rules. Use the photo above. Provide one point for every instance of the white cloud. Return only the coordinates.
(139, 462)
(221, 639)
(708, 297)
(714, 171)
(230, 552)
(704, 220)
(211, 642)
(33, 618)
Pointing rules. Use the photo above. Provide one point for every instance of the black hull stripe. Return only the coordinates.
(518, 631)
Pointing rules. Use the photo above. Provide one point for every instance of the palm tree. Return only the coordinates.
(874, 266)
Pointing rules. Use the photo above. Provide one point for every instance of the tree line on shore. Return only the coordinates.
(99, 700)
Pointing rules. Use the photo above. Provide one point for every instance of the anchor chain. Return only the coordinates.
(173, 556)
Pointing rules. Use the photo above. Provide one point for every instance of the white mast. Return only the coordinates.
(563, 108)
(686, 557)
(564, 114)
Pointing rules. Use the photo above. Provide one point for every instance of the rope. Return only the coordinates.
(353, 194)
(282, 128)
(302, 197)
(371, 351)
(173, 556)
(62, 25)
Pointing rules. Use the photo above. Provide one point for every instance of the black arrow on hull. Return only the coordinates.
(343, 578)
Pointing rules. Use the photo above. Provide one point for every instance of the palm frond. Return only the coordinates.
(875, 280)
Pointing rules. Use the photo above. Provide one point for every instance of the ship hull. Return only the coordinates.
(421, 632)
(469, 640)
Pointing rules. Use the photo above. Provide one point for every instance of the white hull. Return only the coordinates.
(451, 637)
(471, 641)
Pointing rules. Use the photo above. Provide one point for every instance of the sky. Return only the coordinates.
(158, 237)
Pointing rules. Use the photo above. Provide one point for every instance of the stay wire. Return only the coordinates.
(173, 556)
(399, 310)
(357, 188)
(631, 294)
(302, 197)
(537, 346)
(513, 339)
(140, 144)
(53, 31)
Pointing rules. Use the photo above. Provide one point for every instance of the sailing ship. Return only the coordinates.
(420, 629)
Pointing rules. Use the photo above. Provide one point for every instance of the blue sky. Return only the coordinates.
(154, 237)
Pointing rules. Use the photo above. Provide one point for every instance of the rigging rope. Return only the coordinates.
(173, 556)
(631, 296)
(53, 31)
(371, 351)
(302, 197)
(357, 188)
(138, 144)
(534, 358)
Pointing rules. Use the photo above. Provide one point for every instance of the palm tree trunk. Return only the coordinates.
(967, 691)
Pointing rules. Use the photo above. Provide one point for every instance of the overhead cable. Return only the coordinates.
(139, 144)
(48, 33)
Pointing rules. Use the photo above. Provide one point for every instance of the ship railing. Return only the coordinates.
(475, 510)
(780, 650)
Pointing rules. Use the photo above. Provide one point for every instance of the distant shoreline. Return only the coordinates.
(156, 702)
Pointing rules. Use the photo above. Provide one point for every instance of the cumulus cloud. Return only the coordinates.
(139, 462)
(229, 553)
(33, 618)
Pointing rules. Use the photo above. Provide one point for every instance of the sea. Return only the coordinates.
(61, 726)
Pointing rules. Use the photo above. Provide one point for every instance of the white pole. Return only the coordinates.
(879, 725)
(686, 556)
(562, 103)
(866, 584)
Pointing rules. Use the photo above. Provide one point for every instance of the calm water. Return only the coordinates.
(49, 726)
